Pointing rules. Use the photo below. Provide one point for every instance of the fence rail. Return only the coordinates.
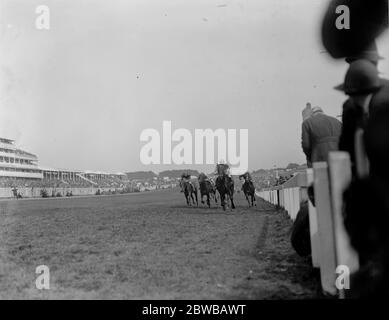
(329, 241)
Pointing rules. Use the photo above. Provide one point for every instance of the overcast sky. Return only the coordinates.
(79, 94)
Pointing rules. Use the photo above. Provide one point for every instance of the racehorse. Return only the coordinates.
(225, 186)
(249, 191)
(15, 193)
(189, 190)
(207, 188)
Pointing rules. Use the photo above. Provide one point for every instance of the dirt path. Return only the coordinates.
(149, 246)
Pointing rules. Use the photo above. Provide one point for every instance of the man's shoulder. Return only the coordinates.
(334, 120)
(322, 116)
(307, 122)
(348, 104)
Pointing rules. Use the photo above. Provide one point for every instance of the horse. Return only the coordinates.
(213, 193)
(207, 188)
(225, 186)
(189, 190)
(15, 193)
(249, 191)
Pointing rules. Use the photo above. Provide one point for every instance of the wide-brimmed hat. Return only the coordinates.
(361, 78)
(370, 53)
(368, 19)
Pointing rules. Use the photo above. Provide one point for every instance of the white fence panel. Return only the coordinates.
(326, 227)
(313, 227)
(340, 178)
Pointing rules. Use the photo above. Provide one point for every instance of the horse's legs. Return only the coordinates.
(194, 192)
(208, 202)
(247, 198)
(187, 197)
(202, 200)
(223, 200)
(228, 200)
(232, 201)
(197, 200)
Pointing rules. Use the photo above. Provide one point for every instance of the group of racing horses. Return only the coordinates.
(224, 186)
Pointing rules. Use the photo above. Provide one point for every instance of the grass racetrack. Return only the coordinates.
(149, 246)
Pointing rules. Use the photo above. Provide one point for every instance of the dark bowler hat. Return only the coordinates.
(368, 19)
(361, 77)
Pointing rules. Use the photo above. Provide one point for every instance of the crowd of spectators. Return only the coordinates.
(110, 182)
(282, 179)
(364, 135)
(60, 183)
(107, 185)
(272, 178)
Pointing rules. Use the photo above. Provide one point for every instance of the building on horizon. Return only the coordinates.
(17, 163)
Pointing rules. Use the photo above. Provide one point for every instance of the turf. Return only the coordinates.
(149, 246)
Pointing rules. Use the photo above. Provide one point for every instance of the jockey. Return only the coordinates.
(222, 169)
(246, 176)
(203, 177)
(185, 177)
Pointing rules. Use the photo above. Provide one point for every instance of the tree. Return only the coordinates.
(292, 166)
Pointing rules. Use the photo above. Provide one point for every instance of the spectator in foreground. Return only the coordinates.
(360, 84)
(366, 223)
(301, 235)
(367, 206)
(320, 135)
(307, 112)
(367, 111)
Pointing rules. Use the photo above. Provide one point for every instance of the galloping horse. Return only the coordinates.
(225, 186)
(15, 193)
(249, 190)
(189, 190)
(207, 188)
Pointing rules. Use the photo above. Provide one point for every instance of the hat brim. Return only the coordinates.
(342, 87)
(370, 57)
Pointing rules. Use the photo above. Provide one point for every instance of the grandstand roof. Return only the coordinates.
(43, 168)
(57, 169)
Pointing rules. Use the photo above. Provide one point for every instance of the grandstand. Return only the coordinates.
(19, 168)
(16, 163)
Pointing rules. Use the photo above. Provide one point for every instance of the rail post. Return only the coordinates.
(313, 227)
(325, 227)
(340, 178)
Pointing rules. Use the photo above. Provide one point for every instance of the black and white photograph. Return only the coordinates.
(205, 152)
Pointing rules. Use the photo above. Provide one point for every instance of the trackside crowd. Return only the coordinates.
(364, 134)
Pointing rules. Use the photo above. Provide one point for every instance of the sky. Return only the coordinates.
(80, 94)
